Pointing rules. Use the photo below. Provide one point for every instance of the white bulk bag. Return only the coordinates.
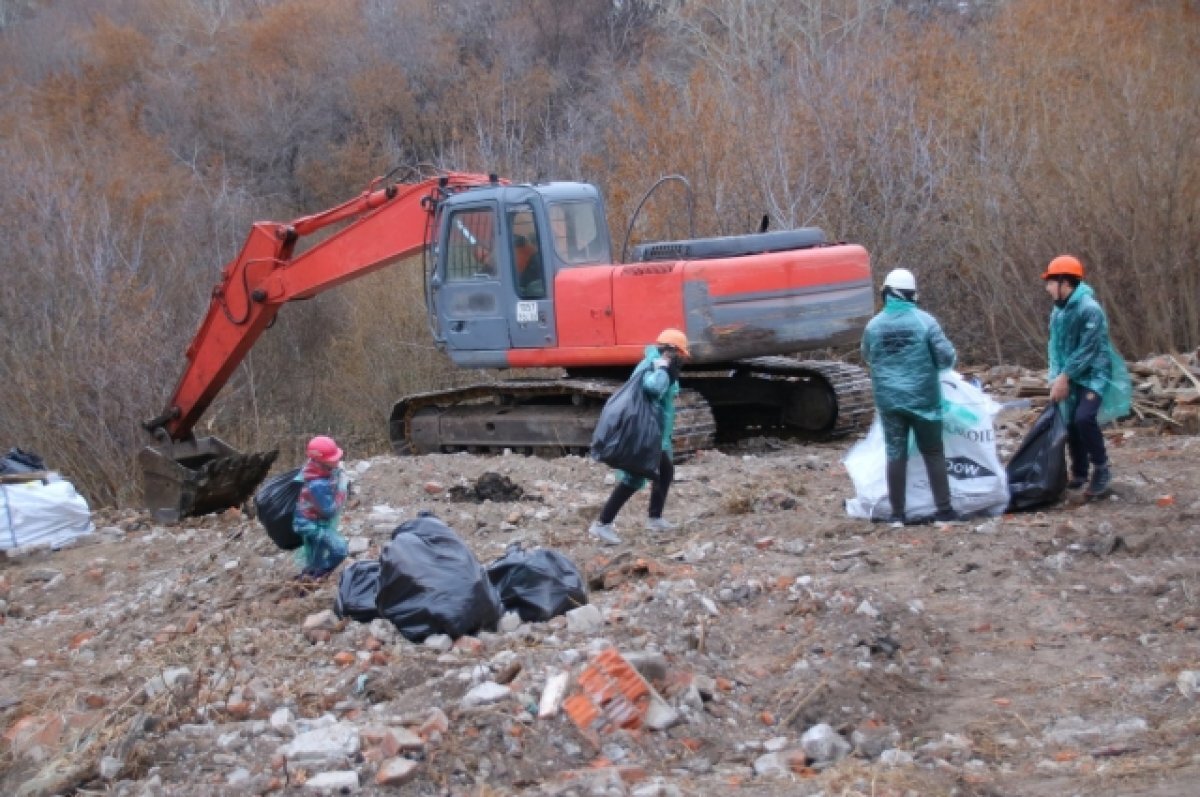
(35, 514)
(978, 485)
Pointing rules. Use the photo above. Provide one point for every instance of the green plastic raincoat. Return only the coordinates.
(658, 386)
(906, 348)
(1080, 348)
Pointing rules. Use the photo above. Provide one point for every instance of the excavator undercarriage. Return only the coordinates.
(763, 396)
(774, 396)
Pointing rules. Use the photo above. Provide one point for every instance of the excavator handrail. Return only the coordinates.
(382, 225)
(645, 197)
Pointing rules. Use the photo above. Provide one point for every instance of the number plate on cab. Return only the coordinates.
(527, 312)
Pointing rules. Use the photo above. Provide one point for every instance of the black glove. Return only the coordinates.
(674, 369)
(669, 364)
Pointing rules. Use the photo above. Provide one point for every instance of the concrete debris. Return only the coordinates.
(553, 694)
(769, 646)
(328, 744)
(396, 772)
(822, 743)
(341, 782)
(486, 693)
(1078, 731)
(585, 620)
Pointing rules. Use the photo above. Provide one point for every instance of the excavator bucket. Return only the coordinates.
(195, 477)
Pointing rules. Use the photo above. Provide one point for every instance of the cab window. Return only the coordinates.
(470, 242)
(528, 268)
(577, 231)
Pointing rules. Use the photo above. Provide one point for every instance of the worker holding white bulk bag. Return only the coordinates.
(905, 349)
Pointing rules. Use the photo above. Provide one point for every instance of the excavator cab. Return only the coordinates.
(496, 254)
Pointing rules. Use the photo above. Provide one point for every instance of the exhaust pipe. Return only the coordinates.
(195, 477)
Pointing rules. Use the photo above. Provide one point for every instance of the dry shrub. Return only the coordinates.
(970, 149)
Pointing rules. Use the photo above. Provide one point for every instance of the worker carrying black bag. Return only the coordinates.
(634, 434)
(629, 434)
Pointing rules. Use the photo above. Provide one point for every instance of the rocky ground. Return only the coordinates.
(797, 651)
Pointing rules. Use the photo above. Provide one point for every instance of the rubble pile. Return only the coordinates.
(1166, 390)
(770, 645)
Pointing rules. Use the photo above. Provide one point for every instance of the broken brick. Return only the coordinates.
(612, 694)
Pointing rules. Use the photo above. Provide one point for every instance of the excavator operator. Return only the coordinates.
(527, 258)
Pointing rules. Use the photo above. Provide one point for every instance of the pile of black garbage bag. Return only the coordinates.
(427, 581)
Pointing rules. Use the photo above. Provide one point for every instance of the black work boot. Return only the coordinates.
(897, 482)
(1101, 480)
(939, 484)
(1079, 475)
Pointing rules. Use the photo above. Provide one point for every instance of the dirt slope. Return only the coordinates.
(1038, 654)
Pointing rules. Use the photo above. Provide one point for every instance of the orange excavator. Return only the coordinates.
(522, 276)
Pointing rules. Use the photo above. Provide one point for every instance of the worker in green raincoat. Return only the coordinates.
(659, 374)
(1087, 376)
(905, 349)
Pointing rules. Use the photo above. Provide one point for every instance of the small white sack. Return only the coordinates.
(36, 514)
(978, 484)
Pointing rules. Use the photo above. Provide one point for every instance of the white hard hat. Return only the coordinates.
(900, 279)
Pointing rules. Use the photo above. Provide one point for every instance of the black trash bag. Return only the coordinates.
(629, 433)
(275, 504)
(537, 584)
(19, 461)
(431, 583)
(1037, 473)
(357, 590)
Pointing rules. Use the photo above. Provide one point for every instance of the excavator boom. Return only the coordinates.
(384, 224)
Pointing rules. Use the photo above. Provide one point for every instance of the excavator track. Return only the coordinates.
(780, 396)
(805, 399)
(551, 417)
(849, 385)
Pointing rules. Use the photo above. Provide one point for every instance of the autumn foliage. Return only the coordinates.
(970, 142)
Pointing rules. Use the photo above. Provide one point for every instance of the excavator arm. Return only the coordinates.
(385, 225)
(382, 225)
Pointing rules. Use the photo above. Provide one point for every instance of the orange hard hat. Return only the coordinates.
(322, 449)
(1064, 266)
(675, 339)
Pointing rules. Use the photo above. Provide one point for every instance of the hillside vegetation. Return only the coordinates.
(968, 141)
